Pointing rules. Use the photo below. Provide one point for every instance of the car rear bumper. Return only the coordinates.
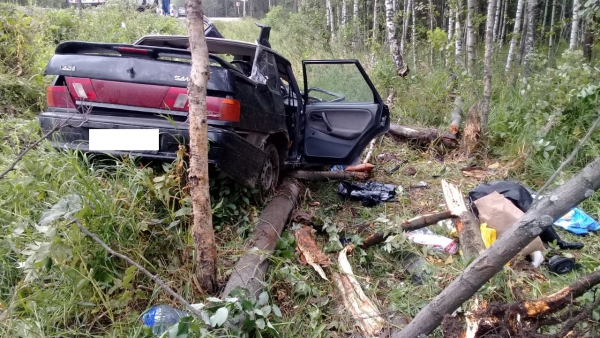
(228, 151)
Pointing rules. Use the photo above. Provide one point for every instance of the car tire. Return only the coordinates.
(269, 176)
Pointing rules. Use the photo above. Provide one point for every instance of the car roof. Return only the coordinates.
(215, 45)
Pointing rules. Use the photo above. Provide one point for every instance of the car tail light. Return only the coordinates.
(81, 89)
(59, 97)
(217, 108)
(132, 50)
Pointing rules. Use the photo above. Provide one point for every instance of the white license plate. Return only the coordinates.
(124, 140)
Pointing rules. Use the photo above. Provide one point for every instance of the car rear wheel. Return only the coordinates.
(269, 176)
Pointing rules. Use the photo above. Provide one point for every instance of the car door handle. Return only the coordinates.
(322, 118)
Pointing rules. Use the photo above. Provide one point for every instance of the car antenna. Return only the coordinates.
(263, 38)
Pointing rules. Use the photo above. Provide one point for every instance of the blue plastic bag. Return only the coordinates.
(577, 222)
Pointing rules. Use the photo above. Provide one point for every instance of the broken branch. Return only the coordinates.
(155, 279)
(329, 175)
(456, 116)
(423, 137)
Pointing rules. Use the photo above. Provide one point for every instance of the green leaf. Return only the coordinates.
(276, 310)
(185, 211)
(266, 310)
(263, 298)
(260, 323)
(158, 179)
(219, 317)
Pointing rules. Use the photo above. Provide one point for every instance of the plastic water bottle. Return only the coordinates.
(160, 317)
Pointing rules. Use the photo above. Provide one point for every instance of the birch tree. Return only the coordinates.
(450, 33)
(405, 19)
(471, 11)
(343, 13)
(414, 35)
(375, 26)
(355, 11)
(330, 20)
(574, 25)
(529, 39)
(487, 64)
(401, 68)
(515, 37)
(551, 30)
(202, 228)
(458, 32)
(497, 21)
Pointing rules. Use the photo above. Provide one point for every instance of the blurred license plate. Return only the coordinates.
(124, 140)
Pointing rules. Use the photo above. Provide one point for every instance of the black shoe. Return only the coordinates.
(570, 245)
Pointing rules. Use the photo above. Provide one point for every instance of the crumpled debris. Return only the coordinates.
(310, 252)
(369, 193)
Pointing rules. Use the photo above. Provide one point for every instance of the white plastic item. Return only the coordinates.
(537, 258)
(427, 237)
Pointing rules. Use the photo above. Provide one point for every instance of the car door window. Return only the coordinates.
(342, 82)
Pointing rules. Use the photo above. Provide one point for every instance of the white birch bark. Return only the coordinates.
(574, 25)
(450, 33)
(504, 11)
(471, 9)
(551, 30)
(330, 18)
(497, 21)
(375, 26)
(546, 3)
(458, 54)
(405, 19)
(401, 68)
(529, 39)
(355, 11)
(515, 37)
(414, 35)
(487, 64)
(344, 19)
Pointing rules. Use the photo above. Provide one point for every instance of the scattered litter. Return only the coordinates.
(561, 265)
(577, 222)
(413, 265)
(421, 185)
(161, 317)
(489, 235)
(369, 193)
(315, 204)
(363, 310)
(310, 253)
(537, 258)
(338, 168)
(363, 167)
(425, 236)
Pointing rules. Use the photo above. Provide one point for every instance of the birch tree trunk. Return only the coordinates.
(574, 25)
(530, 38)
(431, 30)
(405, 19)
(414, 35)
(540, 216)
(330, 19)
(458, 54)
(343, 13)
(504, 11)
(487, 64)
(450, 33)
(496, 22)
(471, 11)
(515, 37)
(546, 2)
(401, 68)
(202, 228)
(375, 26)
(551, 31)
(355, 11)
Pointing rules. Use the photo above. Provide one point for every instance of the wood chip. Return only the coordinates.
(309, 251)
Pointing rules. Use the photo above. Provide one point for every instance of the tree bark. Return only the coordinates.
(374, 238)
(496, 20)
(530, 40)
(456, 116)
(503, 17)
(551, 31)
(515, 37)
(375, 23)
(344, 19)
(466, 224)
(546, 2)
(487, 65)
(355, 11)
(330, 19)
(414, 35)
(574, 25)
(202, 229)
(405, 19)
(472, 131)
(450, 33)
(458, 54)
(540, 216)
(423, 137)
(588, 40)
(397, 58)
(471, 12)
(250, 270)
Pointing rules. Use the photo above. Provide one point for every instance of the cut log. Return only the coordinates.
(423, 137)
(466, 224)
(329, 175)
(250, 270)
(369, 151)
(540, 215)
(456, 116)
(408, 225)
(470, 137)
(518, 319)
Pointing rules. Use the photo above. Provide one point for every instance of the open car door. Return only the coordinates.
(343, 111)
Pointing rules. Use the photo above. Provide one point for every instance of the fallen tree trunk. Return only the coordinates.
(250, 270)
(466, 224)
(408, 225)
(329, 175)
(423, 137)
(518, 319)
(456, 116)
(540, 216)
